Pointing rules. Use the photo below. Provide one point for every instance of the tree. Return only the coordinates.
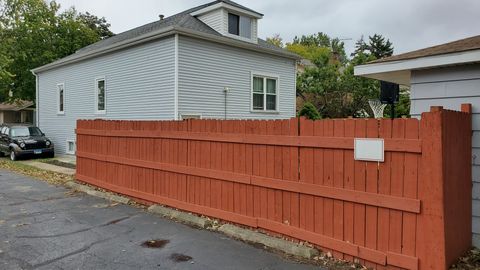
(33, 33)
(331, 85)
(322, 40)
(376, 46)
(275, 40)
(100, 25)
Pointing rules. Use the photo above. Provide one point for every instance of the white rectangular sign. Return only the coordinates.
(369, 149)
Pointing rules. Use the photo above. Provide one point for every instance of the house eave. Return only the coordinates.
(161, 34)
(399, 71)
(235, 43)
(114, 47)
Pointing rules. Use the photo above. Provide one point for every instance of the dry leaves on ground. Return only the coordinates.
(48, 176)
(470, 261)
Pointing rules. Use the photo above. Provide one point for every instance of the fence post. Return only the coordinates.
(430, 229)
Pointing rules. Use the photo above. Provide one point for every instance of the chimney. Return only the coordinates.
(161, 16)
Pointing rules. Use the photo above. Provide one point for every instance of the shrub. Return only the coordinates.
(310, 111)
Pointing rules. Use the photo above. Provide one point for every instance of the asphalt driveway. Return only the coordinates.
(48, 227)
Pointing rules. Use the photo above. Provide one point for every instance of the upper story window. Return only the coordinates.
(100, 95)
(239, 25)
(264, 93)
(233, 24)
(60, 98)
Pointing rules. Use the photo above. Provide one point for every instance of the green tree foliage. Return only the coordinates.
(100, 25)
(321, 40)
(34, 33)
(331, 85)
(402, 108)
(310, 111)
(275, 40)
(377, 46)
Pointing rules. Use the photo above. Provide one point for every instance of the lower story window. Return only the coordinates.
(71, 147)
(264, 93)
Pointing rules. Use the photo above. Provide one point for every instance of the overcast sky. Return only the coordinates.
(409, 24)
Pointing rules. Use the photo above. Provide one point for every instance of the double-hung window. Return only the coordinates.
(60, 98)
(264, 93)
(239, 25)
(100, 95)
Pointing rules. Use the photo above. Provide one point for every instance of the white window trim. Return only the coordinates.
(104, 111)
(75, 146)
(265, 76)
(58, 98)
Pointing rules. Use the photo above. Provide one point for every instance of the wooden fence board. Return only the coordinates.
(295, 177)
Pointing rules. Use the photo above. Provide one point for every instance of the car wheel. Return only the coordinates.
(2, 154)
(13, 156)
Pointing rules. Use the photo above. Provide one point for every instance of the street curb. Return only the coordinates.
(96, 193)
(237, 232)
(269, 241)
(181, 216)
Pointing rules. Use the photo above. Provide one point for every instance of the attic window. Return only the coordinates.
(239, 25)
(233, 24)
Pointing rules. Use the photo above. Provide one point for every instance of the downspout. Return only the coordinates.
(225, 91)
(175, 102)
(37, 100)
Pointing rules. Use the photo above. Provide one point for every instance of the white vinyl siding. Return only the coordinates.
(450, 87)
(214, 19)
(207, 68)
(140, 83)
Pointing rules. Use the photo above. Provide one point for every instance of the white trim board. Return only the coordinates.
(175, 92)
(162, 33)
(104, 111)
(229, 7)
(402, 68)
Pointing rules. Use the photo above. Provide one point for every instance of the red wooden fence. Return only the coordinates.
(298, 178)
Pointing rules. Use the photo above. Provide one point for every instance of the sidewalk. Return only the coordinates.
(48, 167)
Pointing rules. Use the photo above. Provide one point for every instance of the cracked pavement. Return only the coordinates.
(48, 227)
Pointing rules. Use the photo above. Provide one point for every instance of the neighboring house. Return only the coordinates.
(19, 111)
(445, 75)
(206, 62)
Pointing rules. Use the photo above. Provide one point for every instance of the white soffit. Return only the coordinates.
(399, 71)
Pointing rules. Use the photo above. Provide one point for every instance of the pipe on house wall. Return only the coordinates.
(225, 91)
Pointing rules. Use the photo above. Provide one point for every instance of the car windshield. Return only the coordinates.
(25, 131)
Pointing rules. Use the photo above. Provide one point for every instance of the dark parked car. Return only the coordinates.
(19, 140)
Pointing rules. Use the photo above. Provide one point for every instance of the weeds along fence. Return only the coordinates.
(299, 178)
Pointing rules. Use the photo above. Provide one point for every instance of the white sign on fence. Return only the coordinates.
(369, 149)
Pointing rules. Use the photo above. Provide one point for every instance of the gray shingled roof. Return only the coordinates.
(181, 20)
(462, 45)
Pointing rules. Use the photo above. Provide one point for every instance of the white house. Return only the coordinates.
(445, 75)
(205, 62)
